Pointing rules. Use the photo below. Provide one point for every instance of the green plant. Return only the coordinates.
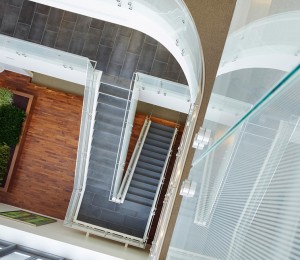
(6, 97)
(11, 121)
(4, 157)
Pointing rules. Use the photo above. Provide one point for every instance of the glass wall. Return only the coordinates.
(247, 203)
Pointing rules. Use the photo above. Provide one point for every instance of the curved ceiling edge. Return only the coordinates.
(168, 22)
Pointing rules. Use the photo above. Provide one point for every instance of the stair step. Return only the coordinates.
(99, 172)
(158, 144)
(163, 127)
(105, 139)
(149, 167)
(103, 162)
(147, 173)
(109, 118)
(153, 155)
(98, 184)
(159, 132)
(106, 108)
(159, 138)
(151, 161)
(102, 142)
(141, 193)
(139, 200)
(100, 152)
(155, 149)
(114, 91)
(108, 128)
(144, 179)
(113, 101)
(143, 186)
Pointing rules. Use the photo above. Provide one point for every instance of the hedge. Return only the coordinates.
(4, 157)
(11, 121)
(6, 97)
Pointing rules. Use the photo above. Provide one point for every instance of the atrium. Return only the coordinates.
(152, 129)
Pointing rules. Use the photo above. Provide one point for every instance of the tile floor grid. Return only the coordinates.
(96, 39)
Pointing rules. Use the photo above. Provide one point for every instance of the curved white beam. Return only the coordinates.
(168, 21)
(272, 42)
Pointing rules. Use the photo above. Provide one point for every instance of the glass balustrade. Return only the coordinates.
(246, 203)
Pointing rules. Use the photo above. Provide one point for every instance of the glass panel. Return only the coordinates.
(162, 86)
(15, 256)
(247, 199)
(262, 46)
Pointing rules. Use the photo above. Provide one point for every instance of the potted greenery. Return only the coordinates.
(11, 122)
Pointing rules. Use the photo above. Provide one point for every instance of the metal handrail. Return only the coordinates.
(133, 162)
(119, 161)
(158, 191)
(187, 135)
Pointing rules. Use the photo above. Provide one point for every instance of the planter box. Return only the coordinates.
(16, 151)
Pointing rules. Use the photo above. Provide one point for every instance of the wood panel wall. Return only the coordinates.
(43, 180)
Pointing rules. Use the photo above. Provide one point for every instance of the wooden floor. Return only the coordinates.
(43, 181)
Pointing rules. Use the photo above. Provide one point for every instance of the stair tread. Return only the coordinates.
(108, 108)
(154, 155)
(159, 138)
(141, 193)
(157, 144)
(145, 179)
(107, 127)
(109, 118)
(142, 185)
(155, 149)
(113, 101)
(147, 173)
(148, 166)
(162, 127)
(114, 90)
(152, 161)
(139, 200)
(161, 132)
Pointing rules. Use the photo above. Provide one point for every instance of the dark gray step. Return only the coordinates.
(109, 118)
(157, 143)
(114, 91)
(100, 152)
(147, 173)
(112, 110)
(161, 132)
(148, 166)
(97, 171)
(143, 186)
(98, 184)
(141, 193)
(141, 210)
(154, 155)
(108, 128)
(155, 149)
(113, 101)
(139, 200)
(144, 179)
(159, 138)
(151, 161)
(103, 162)
(162, 127)
(106, 141)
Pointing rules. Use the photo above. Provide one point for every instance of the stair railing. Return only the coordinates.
(129, 116)
(158, 191)
(133, 162)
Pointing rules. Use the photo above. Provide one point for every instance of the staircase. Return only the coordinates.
(150, 165)
(127, 221)
(110, 114)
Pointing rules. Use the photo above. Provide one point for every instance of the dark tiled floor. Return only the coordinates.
(119, 51)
